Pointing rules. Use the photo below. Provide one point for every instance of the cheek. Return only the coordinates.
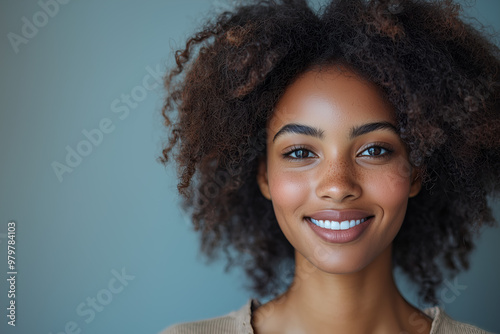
(391, 188)
(289, 190)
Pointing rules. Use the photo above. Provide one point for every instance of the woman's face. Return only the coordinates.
(336, 171)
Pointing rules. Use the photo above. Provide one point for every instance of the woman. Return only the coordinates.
(327, 149)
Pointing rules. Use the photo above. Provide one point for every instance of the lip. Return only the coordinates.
(340, 236)
(340, 215)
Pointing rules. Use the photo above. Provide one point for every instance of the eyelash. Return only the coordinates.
(293, 149)
(388, 152)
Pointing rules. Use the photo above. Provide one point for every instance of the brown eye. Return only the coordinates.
(375, 151)
(299, 153)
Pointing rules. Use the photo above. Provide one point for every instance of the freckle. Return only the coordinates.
(340, 169)
(363, 172)
(331, 167)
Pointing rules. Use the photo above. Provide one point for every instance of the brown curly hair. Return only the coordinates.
(438, 71)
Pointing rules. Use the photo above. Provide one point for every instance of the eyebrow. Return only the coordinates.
(299, 129)
(318, 133)
(370, 127)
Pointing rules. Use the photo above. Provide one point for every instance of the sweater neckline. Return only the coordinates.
(244, 316)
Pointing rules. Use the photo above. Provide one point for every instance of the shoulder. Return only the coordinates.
(442, 323)
(235, 322)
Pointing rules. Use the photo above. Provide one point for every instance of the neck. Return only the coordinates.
(366, 301)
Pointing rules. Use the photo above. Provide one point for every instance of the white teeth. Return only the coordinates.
(334, 225)
(344, 225)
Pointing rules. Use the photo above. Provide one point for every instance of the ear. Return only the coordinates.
(416, 182)
(262, 179)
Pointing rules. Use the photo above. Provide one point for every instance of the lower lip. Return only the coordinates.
(340, 236)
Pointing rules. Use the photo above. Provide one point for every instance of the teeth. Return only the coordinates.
(334, 225)
(344, 225)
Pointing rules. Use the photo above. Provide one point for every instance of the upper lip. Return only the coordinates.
(340, 215)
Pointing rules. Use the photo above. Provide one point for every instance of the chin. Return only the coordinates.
(344, 261)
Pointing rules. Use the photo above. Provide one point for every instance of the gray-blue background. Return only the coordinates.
(117, 210)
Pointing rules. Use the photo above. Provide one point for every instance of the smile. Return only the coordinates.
(335, 225)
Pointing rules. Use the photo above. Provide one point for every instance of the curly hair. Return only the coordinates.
(439, 72)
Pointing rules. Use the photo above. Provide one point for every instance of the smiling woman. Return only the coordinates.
(353, 167)
(339, 178)
(352, 141)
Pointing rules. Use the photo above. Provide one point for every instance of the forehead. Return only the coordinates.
(331, 96)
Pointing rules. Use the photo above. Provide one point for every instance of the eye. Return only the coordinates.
(298, 153)
(376, 152)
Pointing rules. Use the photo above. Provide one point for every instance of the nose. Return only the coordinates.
(338, 182)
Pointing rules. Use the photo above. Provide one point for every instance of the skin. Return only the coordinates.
(338, 287)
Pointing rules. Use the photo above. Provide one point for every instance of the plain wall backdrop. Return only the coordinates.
(102, 246)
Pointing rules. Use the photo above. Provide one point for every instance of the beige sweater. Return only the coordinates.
(238, 322)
